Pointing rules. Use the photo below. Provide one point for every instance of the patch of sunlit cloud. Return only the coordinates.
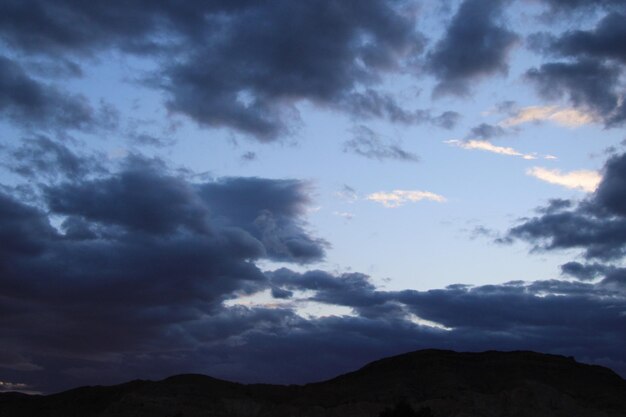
(300, 303)
(486, 146)
(397, 198)
(585, 180)
(568, 117)
(427, 323)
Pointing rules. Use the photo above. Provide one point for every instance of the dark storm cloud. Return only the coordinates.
(322, 281)
(270, 210)
(367, 143)
(40, 156)
(141, 269)
(73, 27)
(241, 65)
(596, 225)
(592, 78)
(605, 41)
(139, 261)
(33, 104)
(474, 46)
(589, 84)
(616, 279)
(135, 199)
(110, 294)
(58, 68)
(277, 345)
(512, 307)
(261, 60)
(585, 272)
(554, 316)
(144, 199)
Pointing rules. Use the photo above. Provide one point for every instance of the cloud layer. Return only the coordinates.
(596, 225)
(107, 276)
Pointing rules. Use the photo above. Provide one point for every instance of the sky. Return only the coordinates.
(280, 191)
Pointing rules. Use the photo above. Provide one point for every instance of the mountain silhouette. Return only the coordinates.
(426, 383)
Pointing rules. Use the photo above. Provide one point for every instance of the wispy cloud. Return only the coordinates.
(347, 194)
(569, 117)
(484, 145)
(585, 180)
(345, 214)
(369, 144)
(396, 198)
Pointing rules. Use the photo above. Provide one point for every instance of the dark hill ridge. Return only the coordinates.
(498, 384)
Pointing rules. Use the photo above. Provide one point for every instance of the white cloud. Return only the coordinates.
(397, 198)
(564, 116)
(584, 180)
(484, 145)
(428, 323)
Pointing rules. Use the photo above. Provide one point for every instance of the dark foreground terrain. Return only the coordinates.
(432, 383)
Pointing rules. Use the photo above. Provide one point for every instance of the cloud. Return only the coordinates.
(367, 143)
(347, 194)
(242, 65)
(142, 267)
(30, 103)
(146, 139)
(590, 85)
(474, 46)
(372, 104)
(42, 157)
(398, 198)
(510, 316)
(605, 41)
(587, 272)
(596, 225)
(250, 69)
(582, 5)
(249, 156)
(486, 131)
(591, 76)
(135, 254)
(584, 180)
(487, 146)
(568, 117)
(111, 273)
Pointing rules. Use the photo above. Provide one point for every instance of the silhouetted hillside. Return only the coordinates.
(423, 383)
